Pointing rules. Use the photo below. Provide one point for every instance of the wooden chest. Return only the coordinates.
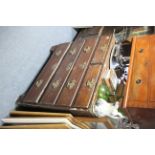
(139, 98)
(70, 78)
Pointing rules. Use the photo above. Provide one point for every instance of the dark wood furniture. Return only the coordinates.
(70, 78)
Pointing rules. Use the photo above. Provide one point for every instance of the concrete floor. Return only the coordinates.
(23, 50)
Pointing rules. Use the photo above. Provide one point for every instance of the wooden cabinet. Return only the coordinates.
(139, 98)
(70, 78)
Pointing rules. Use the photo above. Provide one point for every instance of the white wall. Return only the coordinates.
(23, 50)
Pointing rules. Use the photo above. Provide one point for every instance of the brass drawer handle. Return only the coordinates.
(83, 66)
(39, 83)
(90, 83)
(71, 84)
(87, 49)
(73, 51)
(56, 84)
(69, 66)
(54, 66)
(138, 81)
(57, 53)
(141, 50)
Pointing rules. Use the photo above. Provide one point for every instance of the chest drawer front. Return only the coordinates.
(87, 87)
(44, 77)
(54, 88)
(101, 50)
(139, 83)
(71, 86)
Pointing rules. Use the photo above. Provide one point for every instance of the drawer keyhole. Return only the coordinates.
(138, 81)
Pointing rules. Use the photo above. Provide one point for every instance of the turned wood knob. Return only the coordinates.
(141, 50)
(138, 81)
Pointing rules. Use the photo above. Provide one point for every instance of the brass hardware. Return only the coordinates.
(57, 53)
(54, 66)
(102, 48)
(83, 66)
(141, 50)
(69, 66)
(90, 83)
(87, 49)
(71, 84)
(138, 81)
(55, 84)
(73, 51)
(39, 83)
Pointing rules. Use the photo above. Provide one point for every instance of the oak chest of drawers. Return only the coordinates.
(139, 98)
(70, 78)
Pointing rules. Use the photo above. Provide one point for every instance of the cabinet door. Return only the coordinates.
(36, 90)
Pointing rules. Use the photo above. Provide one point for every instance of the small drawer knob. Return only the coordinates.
(141, 50)
(138, 81)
